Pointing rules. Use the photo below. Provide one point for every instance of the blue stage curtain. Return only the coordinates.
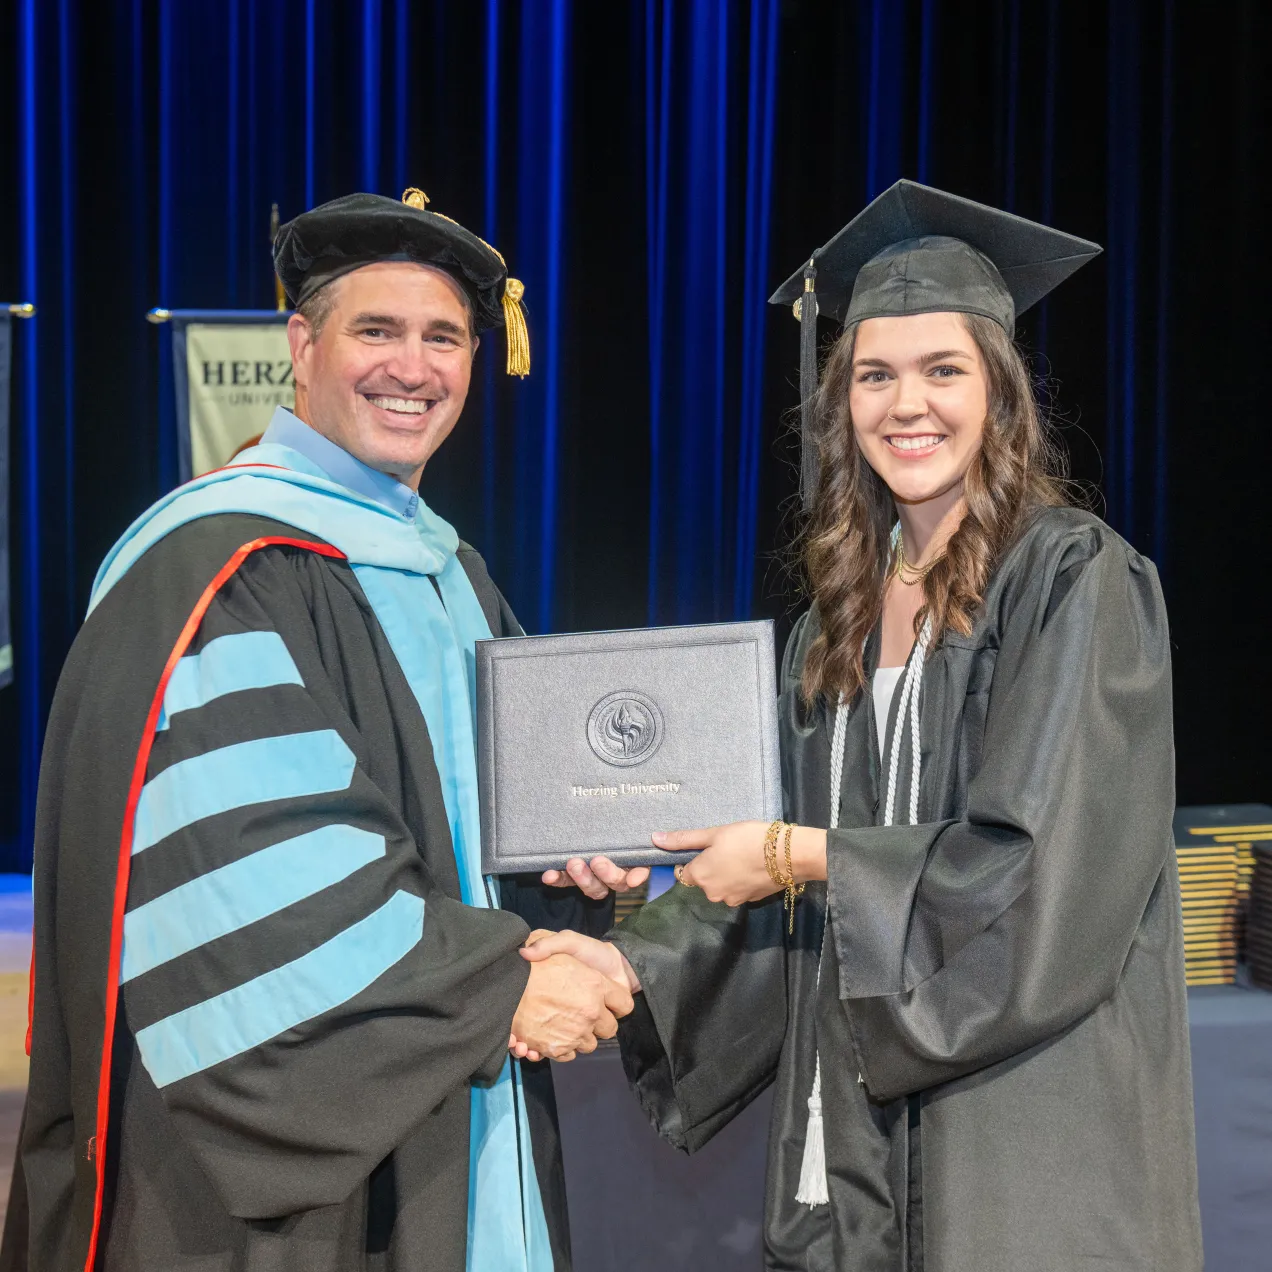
(710, 105)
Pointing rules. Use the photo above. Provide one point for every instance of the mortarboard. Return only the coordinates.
(359, 229)
(917, 250)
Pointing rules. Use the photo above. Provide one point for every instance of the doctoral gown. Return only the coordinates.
(1000, 1012)
(342, 1142)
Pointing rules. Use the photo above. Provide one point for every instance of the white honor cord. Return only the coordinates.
(813, 1189)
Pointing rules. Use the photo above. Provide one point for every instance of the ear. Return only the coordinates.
(300, 337)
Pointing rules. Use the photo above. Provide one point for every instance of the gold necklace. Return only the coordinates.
(920, 572)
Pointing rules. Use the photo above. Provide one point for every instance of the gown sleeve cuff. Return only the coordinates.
(872, 875)
(503, 985)
(694, 1064)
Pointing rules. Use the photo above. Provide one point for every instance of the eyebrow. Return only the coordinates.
(368, 319)
(445, 324)
(939, 356)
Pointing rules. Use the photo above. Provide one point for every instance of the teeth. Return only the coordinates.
(916, 443)
(407, 406)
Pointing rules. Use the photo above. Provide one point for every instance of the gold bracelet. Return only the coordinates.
(770, 853)
(793, 891)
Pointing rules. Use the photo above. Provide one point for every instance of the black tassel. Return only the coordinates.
(808, 384)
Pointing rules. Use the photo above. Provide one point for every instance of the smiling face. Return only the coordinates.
(919, 398)
(386, 374)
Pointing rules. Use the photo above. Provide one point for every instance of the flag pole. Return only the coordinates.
(280, 296)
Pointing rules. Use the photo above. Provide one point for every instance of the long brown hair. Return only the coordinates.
(1017, 469)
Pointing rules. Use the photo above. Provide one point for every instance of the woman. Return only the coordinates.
(976, 1021)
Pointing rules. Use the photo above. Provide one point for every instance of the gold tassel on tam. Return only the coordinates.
(515, 331)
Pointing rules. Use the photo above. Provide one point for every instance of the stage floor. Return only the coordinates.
(15, 959)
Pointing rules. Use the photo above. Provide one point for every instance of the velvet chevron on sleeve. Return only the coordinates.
(276, 896)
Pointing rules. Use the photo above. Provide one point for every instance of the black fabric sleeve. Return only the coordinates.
(707, 1031)
(963, 942)
(303, 984)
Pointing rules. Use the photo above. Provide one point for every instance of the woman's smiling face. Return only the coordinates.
(918, 400)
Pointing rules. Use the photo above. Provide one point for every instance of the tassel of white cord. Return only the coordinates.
(813, 1187)
(812, 1190)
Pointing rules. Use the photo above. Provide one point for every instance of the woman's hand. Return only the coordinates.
(730, 863)
(596, 878)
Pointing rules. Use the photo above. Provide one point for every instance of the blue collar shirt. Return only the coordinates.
(290, 430)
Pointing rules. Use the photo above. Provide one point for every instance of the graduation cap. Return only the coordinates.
(360, 229)
(917, 250)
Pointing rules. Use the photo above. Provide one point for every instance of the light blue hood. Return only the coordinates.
(277, 482)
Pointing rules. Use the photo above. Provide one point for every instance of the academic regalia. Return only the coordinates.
(272, 992)
(997, 999)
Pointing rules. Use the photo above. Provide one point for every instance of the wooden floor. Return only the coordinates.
(13, 1071)
(15, 957)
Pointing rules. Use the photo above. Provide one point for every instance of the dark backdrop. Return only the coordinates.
(651, 169)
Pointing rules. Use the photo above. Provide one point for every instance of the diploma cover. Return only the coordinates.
(587, 743)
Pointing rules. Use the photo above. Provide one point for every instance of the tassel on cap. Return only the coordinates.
(806, 312)
(515, 330)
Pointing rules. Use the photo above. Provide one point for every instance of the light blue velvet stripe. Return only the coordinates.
(260, 1009)
(256, 772)
(243, 892)
(433, 640)
(244, 660)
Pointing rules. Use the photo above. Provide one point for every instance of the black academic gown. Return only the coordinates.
(344, 1142)
(1001, 1012)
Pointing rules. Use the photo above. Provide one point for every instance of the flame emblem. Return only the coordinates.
(624, 728)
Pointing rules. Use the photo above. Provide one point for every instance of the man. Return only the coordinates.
(273, 994)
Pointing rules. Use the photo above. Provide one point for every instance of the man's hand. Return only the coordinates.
(566, 1007)
(597, 878)
(601, 956)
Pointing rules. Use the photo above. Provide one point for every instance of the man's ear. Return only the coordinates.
(300, 338)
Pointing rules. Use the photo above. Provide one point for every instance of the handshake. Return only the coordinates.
(577, 991)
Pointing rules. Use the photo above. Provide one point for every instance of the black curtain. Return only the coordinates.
(142, 142)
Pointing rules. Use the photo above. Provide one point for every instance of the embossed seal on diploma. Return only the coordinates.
(625, 728)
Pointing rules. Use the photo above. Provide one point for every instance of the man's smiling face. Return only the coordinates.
(386, 373)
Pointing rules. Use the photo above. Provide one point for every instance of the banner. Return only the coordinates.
(6, 362)
(230, 370)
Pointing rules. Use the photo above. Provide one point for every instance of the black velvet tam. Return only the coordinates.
(360, 229)
(916, 250)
